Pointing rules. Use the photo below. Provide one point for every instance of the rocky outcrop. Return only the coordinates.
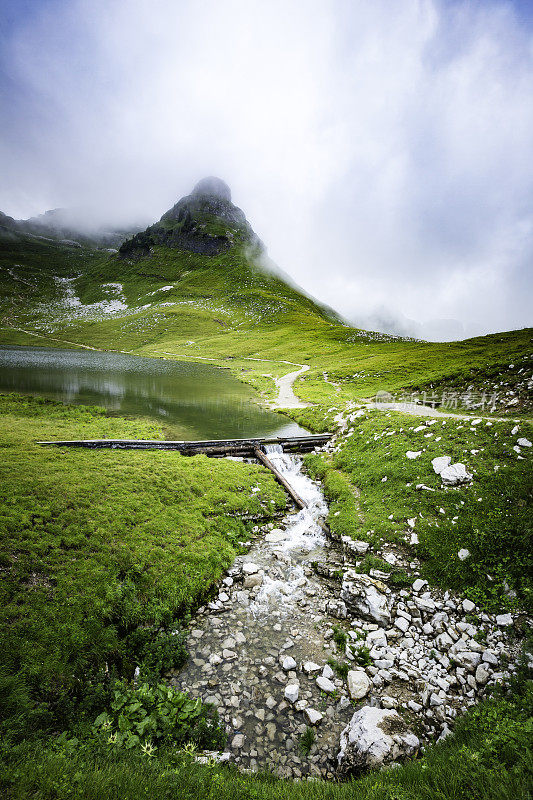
(374, 737)
(365, 596)
(204, 222)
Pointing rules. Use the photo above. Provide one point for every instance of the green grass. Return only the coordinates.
(488, 757)
(226, 309)
(371, 486)
(102, 551)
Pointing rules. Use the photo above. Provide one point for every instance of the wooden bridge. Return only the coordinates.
(216, 448)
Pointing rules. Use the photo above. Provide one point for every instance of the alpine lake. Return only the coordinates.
(191, 401)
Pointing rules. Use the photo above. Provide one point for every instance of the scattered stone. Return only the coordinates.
(237, 742)
(251, 581)
(249, 568)
(360, 548)
(313, 716)
(309, 667)
(468, 606)
(455, 474)
(413, 453)
(504, 619)
(482, 674)
(419, 584)
(325, 685)
(358, 684)
(275, 536)
(291, 692)
(463, 554)
(524, 443)
(401, 623)
(288, 663)
(440, 463)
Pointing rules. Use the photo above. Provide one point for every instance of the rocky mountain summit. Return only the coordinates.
(205, 222)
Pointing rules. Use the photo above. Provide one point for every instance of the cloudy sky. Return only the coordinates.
(382, 150)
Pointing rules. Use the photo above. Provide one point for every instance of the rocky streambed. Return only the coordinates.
(413, 659)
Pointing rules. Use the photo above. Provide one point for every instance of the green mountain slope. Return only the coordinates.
(195, 285)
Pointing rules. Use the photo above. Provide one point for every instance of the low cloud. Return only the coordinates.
(381, 151)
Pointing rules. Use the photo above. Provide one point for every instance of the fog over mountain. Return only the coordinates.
(381, 151)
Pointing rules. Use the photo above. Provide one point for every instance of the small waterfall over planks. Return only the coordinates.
(302, 534)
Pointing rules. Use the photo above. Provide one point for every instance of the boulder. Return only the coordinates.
(440, 463)
(455, 474)
(365, 596)
(249, 568)
(372, 738)
(358, 683)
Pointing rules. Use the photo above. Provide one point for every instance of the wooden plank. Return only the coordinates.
(212, 447)
(279, 477)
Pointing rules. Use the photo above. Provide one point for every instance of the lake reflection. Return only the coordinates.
(192, 401)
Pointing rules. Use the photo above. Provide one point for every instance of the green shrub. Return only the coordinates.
(147, 715)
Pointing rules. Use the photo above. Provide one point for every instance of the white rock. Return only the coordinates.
(413, 454)
(313, 716)
(463, 554)
(275, 536)
(291, 692)
(249, 568)
(325, 684)
(489, 657)
(419, 584)
(365, 596)
(253, 580)
(504, 619)
(288, 663)
(365, 743)
(355, 546)
(358, 684)
(327, 672)
(238, 741)
(455, 474)
(401, 623)
(310, 666)
(482, 674)
(524, 443)
(376, 639)
(440, 463)
(468, 606)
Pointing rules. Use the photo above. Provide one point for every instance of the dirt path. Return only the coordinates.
(426, 411)
(286, 397)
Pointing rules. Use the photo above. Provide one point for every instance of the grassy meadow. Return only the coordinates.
(104, 553)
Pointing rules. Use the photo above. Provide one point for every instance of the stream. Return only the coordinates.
(260, 650)
(246, 645)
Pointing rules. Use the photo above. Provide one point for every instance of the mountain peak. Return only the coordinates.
(212, 187)
(205, 221)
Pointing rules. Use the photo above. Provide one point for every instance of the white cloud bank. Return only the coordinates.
(381, 150)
